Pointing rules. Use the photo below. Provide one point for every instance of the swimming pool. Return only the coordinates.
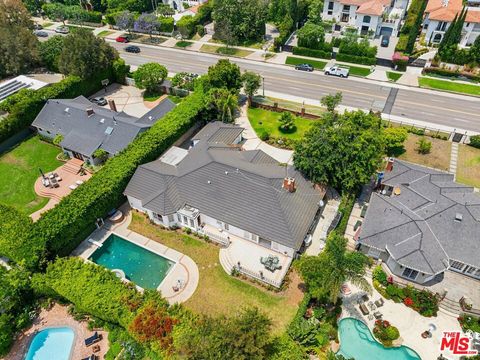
(143, 267)
(357, 341)
(51, 343)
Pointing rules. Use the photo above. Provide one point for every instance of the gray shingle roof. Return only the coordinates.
(83, 133)
(418, 227)
(232, 187)
(219, 133)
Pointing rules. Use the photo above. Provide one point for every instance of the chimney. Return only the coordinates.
(90, 112)
(112, 105)
(390, 164)
(289, 184)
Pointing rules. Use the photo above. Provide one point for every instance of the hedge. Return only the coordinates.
(475, 141)
(356, 59)
(409, 32)
(25, 105)
(450, 73)
(56, 11)
(62, 228)
(165, 24)
(311, 52)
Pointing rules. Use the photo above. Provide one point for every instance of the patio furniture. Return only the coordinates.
(372, 306)
(378, 315)
(426, 334)
(93, 339)
(346, 290)
(72, 187)
(357, 225)
(379, 302)
(370, 317)
(271, 262)
(58, 178)
(96, 348)
(364, 309)
(79, 182)
(365, 298)
(364, 211)
(91, 357)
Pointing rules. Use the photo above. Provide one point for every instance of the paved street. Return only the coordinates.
(461, 112)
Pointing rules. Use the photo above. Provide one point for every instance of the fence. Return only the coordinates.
(257, 275)
(218, 238)
(14, 140)
(274, 107)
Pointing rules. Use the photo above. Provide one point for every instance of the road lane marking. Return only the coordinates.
(435, 107)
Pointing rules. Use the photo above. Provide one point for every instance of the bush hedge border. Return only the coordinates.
(311, 52)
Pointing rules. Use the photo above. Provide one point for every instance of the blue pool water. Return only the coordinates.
(356, 341)
(51, 344)
(143, 267)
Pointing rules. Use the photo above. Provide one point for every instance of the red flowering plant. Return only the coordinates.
(408, 302)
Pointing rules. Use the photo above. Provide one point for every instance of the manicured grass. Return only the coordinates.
(267, 121)
(318, 65)
(19, 169)
(468, 165)
(212, 49)
(183, 44)
(47, 24)
(290, 105)
(151, 96)
(449, 86)
(218, 292)
(439, 157)
(359, 71)
(105, 33)
(175, 99)
(393, 76)
(75, 28)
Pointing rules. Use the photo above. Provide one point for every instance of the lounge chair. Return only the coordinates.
(91, 357)
(93, 339)
(378, 315)
(364, 309)
(379, 302)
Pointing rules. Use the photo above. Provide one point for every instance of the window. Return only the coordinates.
(192, 224)
(367, 19)
(185, 220)
(158, 217)
(171, 218)
(225, 226)
(437, 38)
(346, 8)
(457, 265)
(330, 5)
(410, 273)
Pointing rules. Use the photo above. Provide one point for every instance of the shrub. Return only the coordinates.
(356, 59)
(322, 54)
(165, 24)
(264, 135)
(57, 139)
(57, 11)
(380, 275)
(186, 26)
(385, 332)
(394, 139)
(424, 146)
(408, 302)
(450, 73)
(287, 122)
(411, 26)
(475, 141)
(200, 30)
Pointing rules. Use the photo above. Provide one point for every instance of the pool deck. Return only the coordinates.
(185, 270)
(410, 323)
(57, 316)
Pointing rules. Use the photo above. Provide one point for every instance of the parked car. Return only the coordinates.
(304, 67)
(132, 49)
(62, 30)
(308, 240)
(385, 41)
(122, 39)
(99, 101)
(41, 33)
(337, 71)
(37, 26)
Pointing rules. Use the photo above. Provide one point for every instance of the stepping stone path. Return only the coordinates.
(453, 159)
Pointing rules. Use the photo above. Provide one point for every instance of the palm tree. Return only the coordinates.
(325, 274)
(229, 104)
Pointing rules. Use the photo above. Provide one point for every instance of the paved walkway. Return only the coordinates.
(410, 77)
(454, 159)
(355, 216)
(378, 74)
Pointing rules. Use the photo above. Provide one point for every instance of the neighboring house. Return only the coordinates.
(421, 223)
(379, 17)
(179, 5)
(86, 127)
(218, 189)
(12, 86)
(439, 14)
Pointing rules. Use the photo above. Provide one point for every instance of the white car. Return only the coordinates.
(337, 71)
(62, 30)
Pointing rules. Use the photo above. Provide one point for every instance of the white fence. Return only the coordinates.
(218, 238)
(257, 275)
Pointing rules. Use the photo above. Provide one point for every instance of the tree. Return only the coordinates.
(251, 84)
(125, 20)
(50, 51)
(475, 50)
(146, 23)
(225, 74)
(331, 101)
(33, 6)
(342, 150)
(149, 76)
(84, 54)
(245, 20)
(424, 146)
(183, 80)
(287, 121)
(224, 102)
(101, 155)
(138, 6)
(18, 45)
(311, 36)
(394, 139)
(186, 26)
(315, 9)
(325, 274)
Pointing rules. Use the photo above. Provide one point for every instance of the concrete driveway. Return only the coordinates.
(385, 52)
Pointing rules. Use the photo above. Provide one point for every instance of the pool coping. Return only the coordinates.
(72, 347)
(373, 337)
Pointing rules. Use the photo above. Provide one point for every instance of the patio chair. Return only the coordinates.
(91, 357)
(364, 309)
(379, 302)
(93, 339)
(263, 260)
(378, 315)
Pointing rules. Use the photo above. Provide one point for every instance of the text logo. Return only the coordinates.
(457, 343)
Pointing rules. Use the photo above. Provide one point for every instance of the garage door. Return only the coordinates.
(386, 31)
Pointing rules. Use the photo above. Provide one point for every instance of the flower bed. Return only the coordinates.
(468, 322)
(422, 301)
(385, 332)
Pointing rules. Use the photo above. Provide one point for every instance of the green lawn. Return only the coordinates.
(218, 292)
(267, 121)
(318, 65)
(47, 24)
(449, 86)
(212, 49)
(393, 76)
(183, 44)
(358, 71)
(75, 28)
(105, 33)
(19, 169)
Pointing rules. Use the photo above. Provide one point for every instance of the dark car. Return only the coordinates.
(99, 101)
(132, 49)
(385, 41)
(40, 33)
(37, 27)
(122, 39)
(304, 67)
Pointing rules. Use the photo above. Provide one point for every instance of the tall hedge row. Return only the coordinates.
(25, 105)
(409, 32)
(312, 52)
(62, 228)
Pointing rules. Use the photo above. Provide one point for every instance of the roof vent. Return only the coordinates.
(150, 118)
(209, 182)
(226, 172)
(102, 121)
(458, 217)
(67, 110)
(89, 112)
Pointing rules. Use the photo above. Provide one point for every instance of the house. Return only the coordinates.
(86, 127)
(439, 15)
(217, 189)
(377, 17)
(189, 7)
(12, 86)
(421, 223)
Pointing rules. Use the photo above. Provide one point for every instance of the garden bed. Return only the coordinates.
(468, 165)
(393, 76)
(438, 158)
(230, 51)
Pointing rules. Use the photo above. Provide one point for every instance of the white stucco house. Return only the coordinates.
(179, 5)
(380, 17)
(439, 15)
